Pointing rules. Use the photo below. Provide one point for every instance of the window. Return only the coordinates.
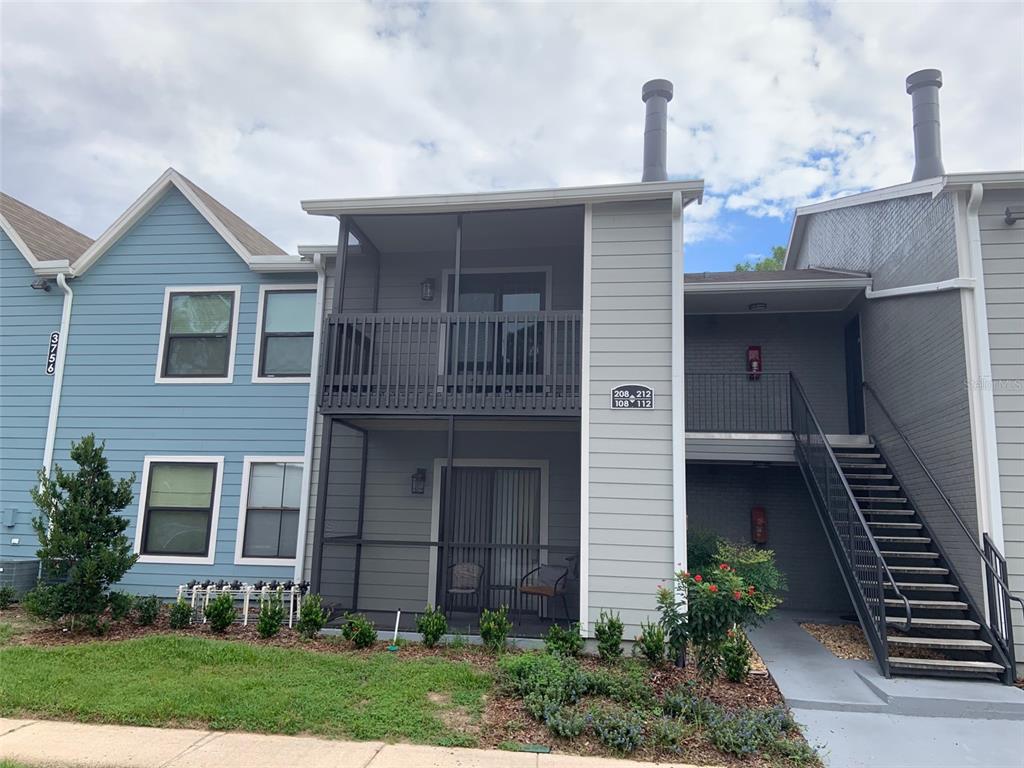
(268, 526)
(284, 348)
(179, 508)
(499, 292)
(197, 335)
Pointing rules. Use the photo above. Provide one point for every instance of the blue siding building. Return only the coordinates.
(34, 248)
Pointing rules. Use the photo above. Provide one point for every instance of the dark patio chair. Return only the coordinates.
(464, 579)
(547, 582)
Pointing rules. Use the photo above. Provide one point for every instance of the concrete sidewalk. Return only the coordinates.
(51, 743)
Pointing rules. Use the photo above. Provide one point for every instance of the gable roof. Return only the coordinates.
(252, 246)
(47, 245)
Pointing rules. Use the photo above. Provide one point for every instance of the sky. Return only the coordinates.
(265, 104)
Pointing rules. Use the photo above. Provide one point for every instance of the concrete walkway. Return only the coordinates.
(50, 743)
(857, 717)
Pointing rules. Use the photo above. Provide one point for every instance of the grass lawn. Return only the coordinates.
(190, 681)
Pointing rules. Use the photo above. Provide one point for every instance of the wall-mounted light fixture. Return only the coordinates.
(1014, 213)
(757, 306)
(427, 289)
(419, 481)
(42, 284)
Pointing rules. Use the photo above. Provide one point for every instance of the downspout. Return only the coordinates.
(307, 453)
(954, 284)
(58, 375)
(981, 387)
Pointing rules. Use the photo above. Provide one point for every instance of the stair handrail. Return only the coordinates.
(883, 569)
(992, 572)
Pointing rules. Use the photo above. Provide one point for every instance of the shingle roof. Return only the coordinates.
(767, 277)
(256, 243)
(43, 235)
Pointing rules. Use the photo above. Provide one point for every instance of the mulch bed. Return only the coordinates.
(504, 719)
(847, 641)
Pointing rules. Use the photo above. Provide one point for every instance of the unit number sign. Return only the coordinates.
(51, 353)
(632, 396)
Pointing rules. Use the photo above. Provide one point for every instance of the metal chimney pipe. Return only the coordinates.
(656, 95)
(923, 87)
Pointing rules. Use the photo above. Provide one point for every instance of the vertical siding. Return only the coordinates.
(913, 349)
(630, 549)
(27, 317)
(109, 384)
(1002, 247)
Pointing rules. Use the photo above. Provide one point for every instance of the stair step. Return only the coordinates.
(903, 539)
(895, 526)
(946, 665)
(920, 570)
(901, 555)
(863, 476)
(882, 499)
(861, 487)
(946, 643)
(935, 605)
(846, 454)
(863, 465)
(872, 511)
(923, 622)
(923, 586)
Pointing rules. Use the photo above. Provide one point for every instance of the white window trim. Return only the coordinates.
(218, 481)
(435, 505)
(258, 350)
(243, 505)
(160, 378)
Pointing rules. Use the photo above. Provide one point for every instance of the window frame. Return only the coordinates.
(142, 522)
(243, 509)
(258, 376)
(169, 293)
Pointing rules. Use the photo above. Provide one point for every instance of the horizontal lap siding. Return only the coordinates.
(1002, 248)
(109, 386)
(630, 501)
(27, 318)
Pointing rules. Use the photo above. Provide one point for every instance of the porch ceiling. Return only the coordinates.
(775, 297)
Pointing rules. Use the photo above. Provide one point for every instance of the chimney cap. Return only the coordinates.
(657, 88)
(922, 78)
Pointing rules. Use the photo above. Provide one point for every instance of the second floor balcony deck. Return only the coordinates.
(454, 362)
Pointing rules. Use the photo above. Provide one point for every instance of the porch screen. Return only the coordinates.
(494, 521)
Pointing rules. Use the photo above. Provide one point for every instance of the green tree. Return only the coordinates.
(771, 263)
(81, 534)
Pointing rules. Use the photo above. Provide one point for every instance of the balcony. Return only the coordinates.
(453, 362)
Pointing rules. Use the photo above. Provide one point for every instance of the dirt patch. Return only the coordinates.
(846, 641)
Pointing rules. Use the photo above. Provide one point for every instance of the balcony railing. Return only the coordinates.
(451, 362)
(737, 402)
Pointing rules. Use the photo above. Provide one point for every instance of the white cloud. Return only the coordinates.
(264, 104)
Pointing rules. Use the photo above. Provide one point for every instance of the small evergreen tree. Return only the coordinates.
(81, 533)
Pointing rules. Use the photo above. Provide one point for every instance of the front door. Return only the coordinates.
(854, 377)
(490, 536)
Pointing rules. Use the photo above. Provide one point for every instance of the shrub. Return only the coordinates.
(756, 567)
(555, 679)
(673, 621)
(81, 533)
(120, 604)
(359, 630)
(181, 615)
(702, 549)
(220, 612)
(650, 643)
(312, 617)
(670, 734)
(494, 629)
(432, 626)
(41, 602)
(95, 625)
(736, 653)
(564, 642)
(147, 609)
(618, 729)
(566, 722)
(747, 732)
(683, 703)
(6, 597)
(271, 617)
(608, 631)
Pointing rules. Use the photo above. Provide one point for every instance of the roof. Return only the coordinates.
(47, 244)
(489, 201)
(795, 290)
(767, 279)
(951, 181)
(255, 249)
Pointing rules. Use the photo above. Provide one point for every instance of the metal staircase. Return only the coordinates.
(915, 611)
